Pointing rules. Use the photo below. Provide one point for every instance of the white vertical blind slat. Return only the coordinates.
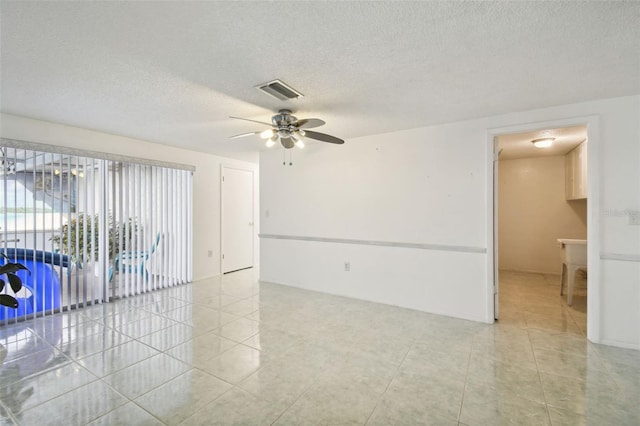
(121, 226)
(137, 212)
(127, 215)
(66, 217)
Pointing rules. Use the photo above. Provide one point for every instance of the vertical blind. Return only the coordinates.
(91, 229)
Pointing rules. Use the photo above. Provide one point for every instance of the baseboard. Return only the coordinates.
(205, 278)
(618, 344)
(472, 319)
(530, 272)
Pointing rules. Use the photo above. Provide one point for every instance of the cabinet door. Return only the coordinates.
(583, 176)
(569, 163)
(577, 173)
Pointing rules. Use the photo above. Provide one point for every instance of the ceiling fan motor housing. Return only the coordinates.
(285, 125)
(283, 119)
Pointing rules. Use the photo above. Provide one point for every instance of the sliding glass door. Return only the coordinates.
(91, 229)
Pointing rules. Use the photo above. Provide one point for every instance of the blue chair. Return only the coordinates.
(40, 289)
(134, 262)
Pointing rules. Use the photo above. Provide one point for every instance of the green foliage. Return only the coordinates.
(71, 241)
(10, 269)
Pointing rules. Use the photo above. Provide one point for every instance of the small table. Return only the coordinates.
(574, 257)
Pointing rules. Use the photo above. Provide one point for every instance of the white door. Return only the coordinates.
(237, 219)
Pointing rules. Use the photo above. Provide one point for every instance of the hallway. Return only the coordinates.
(533, 301)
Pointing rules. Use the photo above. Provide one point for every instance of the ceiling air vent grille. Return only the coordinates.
(279, 90)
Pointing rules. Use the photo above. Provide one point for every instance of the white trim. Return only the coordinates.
(423, 246)
(620, 344)
(221, 178)
(490, 308)
(593, 228)
(622, 257)
(593, 211)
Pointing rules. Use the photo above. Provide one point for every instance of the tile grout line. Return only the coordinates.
(97, 379)
(466, 377)
(232, 386)
(9, 413)
(127, 399)
(69, 361)
(546, 404)
(134, 403)
(291, 405)
(413, 344)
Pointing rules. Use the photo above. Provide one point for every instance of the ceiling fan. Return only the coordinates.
(289, 130)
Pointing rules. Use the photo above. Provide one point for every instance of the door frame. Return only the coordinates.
(592, 122)
(253, 212)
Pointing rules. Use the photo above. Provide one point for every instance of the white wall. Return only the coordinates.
(431, 186)
(206, 180)
(533, 213)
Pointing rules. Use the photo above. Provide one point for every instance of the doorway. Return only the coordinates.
(528, 261)
(237, 219)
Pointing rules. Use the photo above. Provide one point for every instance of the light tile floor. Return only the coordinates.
(231, 350)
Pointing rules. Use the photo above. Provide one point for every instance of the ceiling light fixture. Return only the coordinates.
(267, 134)
(271, 142)
(298, 141)
(543, 142)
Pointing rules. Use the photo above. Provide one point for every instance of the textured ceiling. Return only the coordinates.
(172, 72)
(519, 145)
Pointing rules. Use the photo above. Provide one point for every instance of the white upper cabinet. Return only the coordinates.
(576, 173)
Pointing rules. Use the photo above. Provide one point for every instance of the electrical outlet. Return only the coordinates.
(210, 253)
(634, 217)
(347, 266)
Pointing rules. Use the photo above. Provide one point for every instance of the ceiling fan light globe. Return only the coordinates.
(300, 144)
(270, 143)
(267, 134)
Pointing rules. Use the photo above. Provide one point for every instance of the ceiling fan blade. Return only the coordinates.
(255, 121)
(287, 142)
(241, 135)
(310, 123)
(322, 137)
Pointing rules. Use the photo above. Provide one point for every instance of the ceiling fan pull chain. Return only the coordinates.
(290, 155)
(284, 153)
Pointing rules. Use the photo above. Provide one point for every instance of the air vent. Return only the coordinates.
(279, 90)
